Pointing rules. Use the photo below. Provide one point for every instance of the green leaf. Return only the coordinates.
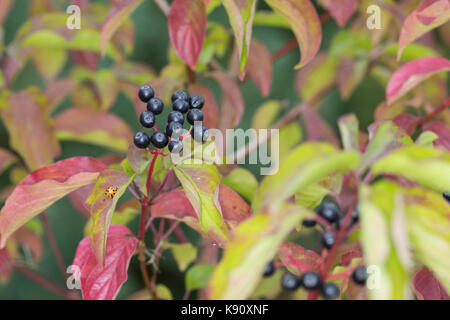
(306, 164)
(289, 136)
(200, 183)
(102, 207)
(184, 254)
(312, 195)
(198, 276)
(242, 181)
(265, 115)
(428, 166)
(349, 129)
(270, 19)
(240, 14)
(254, 244)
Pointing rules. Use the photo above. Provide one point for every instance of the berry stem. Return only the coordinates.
(150, 172)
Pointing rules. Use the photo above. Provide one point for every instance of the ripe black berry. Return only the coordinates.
(175, 116)
(175, 146)
(181, 106)
(329, 211)
(155, 105)
(196, 101)
(147, 119)
(269, 269)
(310, 281)
(360, 275)
(330, 291)
(174, 129)
(290, 282)
(146, 93)
(309, 223)
(180, 95)
(159, 139)
(141, 140)
(194, 115)
(200, 133)
(355, 214)
(446, 195)
(328, 239)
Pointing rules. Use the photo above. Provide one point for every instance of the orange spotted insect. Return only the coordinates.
(110, 192)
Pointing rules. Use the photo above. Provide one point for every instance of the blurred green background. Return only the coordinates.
(151, 45)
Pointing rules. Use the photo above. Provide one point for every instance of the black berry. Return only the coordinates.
(446, 195)
(290, 282)
(194, 115)
(355, 214)
(200, 133)
(175, 116)
(159, 139)
(309, 223)
(269, 269)
(146, 93)
(155, 105)
(330, 291)
(175, 146)
(147, 119)
(359, 275)
(328, 239)
(141, 140)
(310, 281)
(180, 105)
(329, 211)
(180, 95)
(174, 128)
(196, 101)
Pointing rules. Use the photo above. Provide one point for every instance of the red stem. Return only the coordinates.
(434, 113)
(150, 172)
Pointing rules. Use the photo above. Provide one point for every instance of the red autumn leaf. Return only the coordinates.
(31, 240)
(232, 104)
(427, 16)
(42, 188)
(407, 122)
(427, 287)
(30, 130)
(442, 131)
(187, 29)
(88, 59)
(298, 259)
(117, 15)
(6, 159)
(86, 125)
(260, 67)
(211, 111)
(57, 91)
(340, 10)
(412, 73)
(174, 204)
(104, 283)
(305, 23)
(350, 74)
(316, 128)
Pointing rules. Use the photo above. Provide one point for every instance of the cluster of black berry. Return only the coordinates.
(311, 281)
(182, 104)
(330, 211)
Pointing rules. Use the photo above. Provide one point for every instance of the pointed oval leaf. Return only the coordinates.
(187, 29)
(305, 24)
(413, 73)
(340, 10)
(260, 67)
(427, 287)
(42, 188)
(100, 128)
(291, 253)
(99, 283)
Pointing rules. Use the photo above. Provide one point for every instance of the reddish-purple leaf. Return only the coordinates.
(407, 122)
(122, 10)
(232, 104)
(349, 75)
(30, 129)
(101, 128)
(57, 90)
(42, 188)
(340, 10)
(211, 111)
(305, 23)
(316, 128)
(298, 259)
(412, 73)
(88, 59)
(6, 265)
(427, 287)
(427, 16)
(260, 67)
(442, 131)
(104, 283)
(187, 29)
(6, 159)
